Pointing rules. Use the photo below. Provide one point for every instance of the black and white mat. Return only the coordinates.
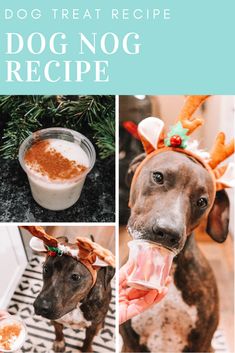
(40, 332)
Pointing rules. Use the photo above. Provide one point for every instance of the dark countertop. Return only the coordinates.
(96, 204)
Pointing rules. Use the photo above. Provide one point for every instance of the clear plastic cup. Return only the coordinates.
(8, 326)
(150, 265)
(57, 194)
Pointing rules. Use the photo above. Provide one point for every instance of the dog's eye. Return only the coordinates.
(202, 202)
(157, 177)
(75, 277)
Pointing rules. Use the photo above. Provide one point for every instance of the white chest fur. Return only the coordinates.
(74, 319)
(165, 326)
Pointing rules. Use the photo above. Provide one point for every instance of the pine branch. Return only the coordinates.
(24, 120)
(105, 136)
(26, 114)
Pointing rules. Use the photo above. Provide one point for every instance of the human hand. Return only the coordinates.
(3, 314)
(134, 301)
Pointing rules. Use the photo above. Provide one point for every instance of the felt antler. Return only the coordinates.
(151, 132)
(84, 251)
(225, 175)
(190, 106)
(89, 250)
(152, 137)
(220, 150)
(40, 233)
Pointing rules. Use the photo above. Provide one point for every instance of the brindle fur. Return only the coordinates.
(195, 279)
(60, 296)
(193, 275)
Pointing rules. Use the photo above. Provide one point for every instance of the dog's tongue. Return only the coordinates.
(152, 265)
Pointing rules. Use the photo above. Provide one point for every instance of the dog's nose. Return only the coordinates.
(166, 237)
(42, 307)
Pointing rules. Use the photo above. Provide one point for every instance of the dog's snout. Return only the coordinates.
(166, 237)
(42, 307)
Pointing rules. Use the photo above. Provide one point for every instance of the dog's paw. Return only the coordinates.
(59, 346)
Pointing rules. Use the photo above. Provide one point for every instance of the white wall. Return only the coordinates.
(12, 262)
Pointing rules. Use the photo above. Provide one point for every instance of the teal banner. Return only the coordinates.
(117, 47)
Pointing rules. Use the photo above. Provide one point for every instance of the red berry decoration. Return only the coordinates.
(175, 141)
(52, 253)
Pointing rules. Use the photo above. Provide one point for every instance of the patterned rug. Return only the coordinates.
(40, 332)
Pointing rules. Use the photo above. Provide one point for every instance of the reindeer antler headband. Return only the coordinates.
(154, 140)
(90, 254)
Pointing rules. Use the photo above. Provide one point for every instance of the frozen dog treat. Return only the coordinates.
(150, 265)
(12, 334)
(56, 161)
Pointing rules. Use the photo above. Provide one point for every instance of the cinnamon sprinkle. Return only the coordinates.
(47, 161)
(8, 335)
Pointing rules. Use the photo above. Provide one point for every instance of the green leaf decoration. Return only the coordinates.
(178, 130)
(57, 250)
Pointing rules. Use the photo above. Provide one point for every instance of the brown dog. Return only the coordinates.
(69, 299)
(172, 193)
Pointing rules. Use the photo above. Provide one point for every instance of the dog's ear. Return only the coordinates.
(93, 304)
(107, 274)
(218, 219)
(133, 166)
(104, 276)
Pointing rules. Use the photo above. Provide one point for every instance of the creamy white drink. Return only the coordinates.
(56, 170)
